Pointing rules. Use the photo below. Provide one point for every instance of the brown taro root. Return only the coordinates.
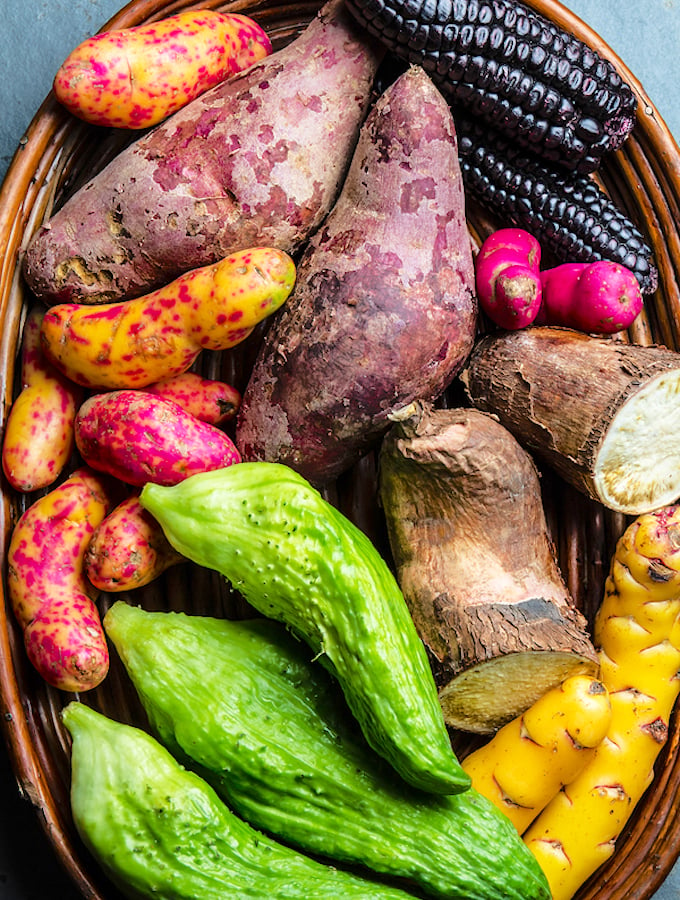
(474, 560)
(602, 413)
(257, 160)
(384, 310)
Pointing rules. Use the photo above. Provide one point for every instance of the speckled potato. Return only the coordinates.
(52, 600)
(135, 343)
(128, 549)
(39, 436)
(138, 437)
(136, 77)
(208, 399)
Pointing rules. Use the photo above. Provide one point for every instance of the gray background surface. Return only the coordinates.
(35, 37)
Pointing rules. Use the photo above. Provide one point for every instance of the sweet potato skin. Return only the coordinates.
(384, 308)
(136, 77)
(137, 437)
(257, 160)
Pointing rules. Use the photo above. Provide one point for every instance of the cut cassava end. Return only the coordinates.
(474, 560)
(481, 699)
(603, 413)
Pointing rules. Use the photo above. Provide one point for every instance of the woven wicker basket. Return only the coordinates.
(57, 154)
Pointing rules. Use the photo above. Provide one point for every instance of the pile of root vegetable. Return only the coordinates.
(306, 208)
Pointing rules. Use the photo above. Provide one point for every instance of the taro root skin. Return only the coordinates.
(455, 485)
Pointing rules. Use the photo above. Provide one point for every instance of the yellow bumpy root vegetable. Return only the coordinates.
(136, 77)
(532, 757)
(637, 632)
(39, 433)
(137, 342)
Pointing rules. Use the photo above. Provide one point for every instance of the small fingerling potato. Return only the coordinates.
(51, 598)
(39, 436)
(208, 399)
(128, 549)
(136, 77)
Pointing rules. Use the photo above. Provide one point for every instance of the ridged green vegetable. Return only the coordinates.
(295, 558)
(268, 728)
(159, 830)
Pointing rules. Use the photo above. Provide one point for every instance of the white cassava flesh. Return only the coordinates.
(638, 465)
(603, 413)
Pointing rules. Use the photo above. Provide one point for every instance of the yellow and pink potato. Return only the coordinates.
(136, 77)
(134, 343)
(39, 437)
(51, 598)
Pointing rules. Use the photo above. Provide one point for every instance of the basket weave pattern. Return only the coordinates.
(57, 155)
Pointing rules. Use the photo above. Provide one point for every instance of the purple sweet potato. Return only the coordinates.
(384, 309)
(256, 160)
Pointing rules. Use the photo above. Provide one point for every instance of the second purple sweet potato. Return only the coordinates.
(384, 308)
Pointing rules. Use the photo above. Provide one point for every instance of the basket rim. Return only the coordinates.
(19, 188)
